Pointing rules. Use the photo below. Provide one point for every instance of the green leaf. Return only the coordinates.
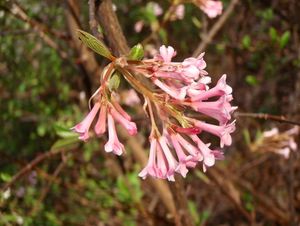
(284, 39)
(163, 35)
(247, 137)
(268, 14)
(251, 80)
(64, 132)
(65, 143)
(5, 177)
(273, 34)
(246, 41)
(194, 212)
(197, 22)
(94, 44)
(114, 82)
(136, 52)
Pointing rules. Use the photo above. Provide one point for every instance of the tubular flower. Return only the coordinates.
(178, 88)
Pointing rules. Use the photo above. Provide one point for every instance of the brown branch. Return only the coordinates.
(45, 191)
(87, 61)
(266, 205)
(92, 20)
(33, 164)
(228, 188)
(183, 216)
(112, 29)
(277, 118)
(215, 29)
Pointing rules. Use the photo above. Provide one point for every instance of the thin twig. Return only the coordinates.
(45, 191)
(33, 164)
(278, 118)
(214, 30)
(41, 29)
(92, 20)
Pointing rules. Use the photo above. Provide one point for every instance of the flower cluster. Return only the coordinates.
(177, 11)
(179, 89)
(210, 7)
(281, 143)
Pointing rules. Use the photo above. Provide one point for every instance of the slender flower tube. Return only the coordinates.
(220, 110)
(173, 92)
(223, 131)
(184, 159)
(220, 89)
(100, 127)
(113, 144)
(209, 158)
(83, 127)
(170, 160)
(151, 167)
(128, 125)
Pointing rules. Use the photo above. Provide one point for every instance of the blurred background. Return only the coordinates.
(48, 177)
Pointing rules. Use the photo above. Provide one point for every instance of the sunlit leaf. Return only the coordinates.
(94, 44)
(136, 52)
(246, 41)
(284, 39)
(114, 81)
(251, 80)
(65, 143)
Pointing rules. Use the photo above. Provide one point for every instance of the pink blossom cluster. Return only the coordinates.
(107, 113)
(281, 143)
(186, 85)
(179, 88)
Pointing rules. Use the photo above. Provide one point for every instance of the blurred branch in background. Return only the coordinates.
(263, 116)
(207, 38)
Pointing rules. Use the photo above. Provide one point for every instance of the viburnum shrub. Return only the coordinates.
(177, 88)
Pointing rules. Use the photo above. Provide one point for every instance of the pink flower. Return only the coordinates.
(138, 26)
(118, 107)
(197, 88)
(220, 89)
(100, 127)
(128, 125)
(220, 110)
(211, 8)
(151, 166)
(197, 62)
(178, 13)
(223, 131)
(170, 161)
(208, 154)
(185, 160)
(131, 98)
(113, 144)
(161, 163)
(166, 53)
(157, 10)
(83, 127)
(173, 92)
